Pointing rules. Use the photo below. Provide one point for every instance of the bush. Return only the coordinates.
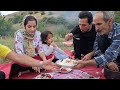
(17, 19)
(42, 12)
(61, 32)
(117, 16)
(30, 12)
(41, 25)
(71, 25)
(57, 20)
(5, 27)
(36, 12)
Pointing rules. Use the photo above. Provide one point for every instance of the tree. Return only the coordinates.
(117, 16)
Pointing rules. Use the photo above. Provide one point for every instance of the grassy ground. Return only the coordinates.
(9, 41)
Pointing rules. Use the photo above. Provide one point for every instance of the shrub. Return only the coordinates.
(16, 19)
(41, 25)
(61, 32)
(30, 12)
(117, 16)
(42, 12)
(71, 25)
(57, 20)
(5, 27)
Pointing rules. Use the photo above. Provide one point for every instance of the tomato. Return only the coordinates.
(48, 76)
(63, 70)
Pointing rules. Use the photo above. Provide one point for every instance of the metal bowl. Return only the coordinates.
(109, 74)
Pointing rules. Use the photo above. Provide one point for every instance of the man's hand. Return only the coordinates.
(113, 66)
(80, 64)
(68, 36)
(49, 65)
(86, 57)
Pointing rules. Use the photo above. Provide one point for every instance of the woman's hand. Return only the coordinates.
(79, 64)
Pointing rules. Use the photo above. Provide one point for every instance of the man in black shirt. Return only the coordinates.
(83, 35)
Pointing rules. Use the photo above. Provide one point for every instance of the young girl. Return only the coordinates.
(49, 47)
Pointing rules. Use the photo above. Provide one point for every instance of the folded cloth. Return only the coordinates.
(6, 67)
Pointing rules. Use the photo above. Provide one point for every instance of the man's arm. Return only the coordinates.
(69, 36)
(88, 56)
(24, 59)
(90, 63)
(111, 53)
(6, 53)
(81, 63)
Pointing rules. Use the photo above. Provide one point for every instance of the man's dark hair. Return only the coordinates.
(86, 14)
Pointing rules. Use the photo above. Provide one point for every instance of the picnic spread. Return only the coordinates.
(84, 73)
(89, 72)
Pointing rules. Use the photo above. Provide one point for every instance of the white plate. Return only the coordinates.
(59, 62)
(44, 76)
(65, 70)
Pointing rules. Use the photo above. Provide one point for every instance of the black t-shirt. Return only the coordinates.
(86, 42)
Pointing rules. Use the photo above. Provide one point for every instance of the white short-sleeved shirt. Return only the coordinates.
(58, 52)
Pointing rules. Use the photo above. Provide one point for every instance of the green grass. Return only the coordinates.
(7, 41)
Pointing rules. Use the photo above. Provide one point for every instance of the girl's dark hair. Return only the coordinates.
(44, 36)
(29, 18)
(86, 14)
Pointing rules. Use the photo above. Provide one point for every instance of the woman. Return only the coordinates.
(28, 41)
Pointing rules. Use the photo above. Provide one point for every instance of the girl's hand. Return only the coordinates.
(53, 44)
